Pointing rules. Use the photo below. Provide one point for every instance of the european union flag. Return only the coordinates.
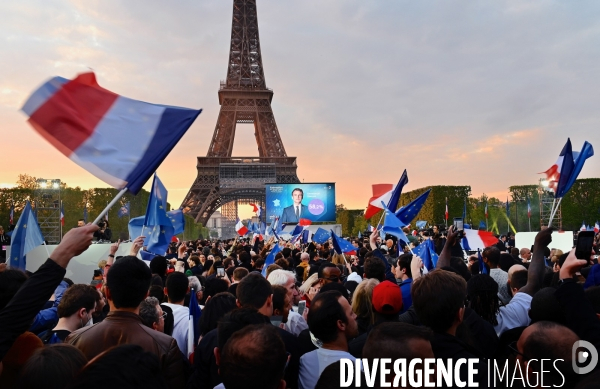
(321, 236)
(393, 225)
(421, 224)
(263, 228)
(156, 210)
(157, 220)
(270, 258)
(26, 236)
(178, 220)
(341, 245)
(395, 199)
(412, 209)
(124, 210)
(136, 227)
(426, 251)
(482, 225)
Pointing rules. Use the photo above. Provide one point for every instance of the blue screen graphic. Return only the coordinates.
(291, 202)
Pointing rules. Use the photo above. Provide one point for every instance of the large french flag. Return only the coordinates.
(474, 239)
(120, 140)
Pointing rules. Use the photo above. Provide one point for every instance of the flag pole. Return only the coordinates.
(113, 202)
(47, 252)
(61, 221)
(554, 212)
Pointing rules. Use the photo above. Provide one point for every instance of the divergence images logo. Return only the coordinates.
(584, 353)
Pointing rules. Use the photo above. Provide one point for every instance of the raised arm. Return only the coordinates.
(535, 273)
(445, 255)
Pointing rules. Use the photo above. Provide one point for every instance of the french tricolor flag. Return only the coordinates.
(241, 228)
(120, 140)
(474, 239)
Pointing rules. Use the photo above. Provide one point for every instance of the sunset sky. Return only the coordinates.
(480, 93)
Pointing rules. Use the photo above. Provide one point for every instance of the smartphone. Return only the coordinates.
(276, 320)
(585, 241)
(301, 307)
(220, 272)
(459, 226)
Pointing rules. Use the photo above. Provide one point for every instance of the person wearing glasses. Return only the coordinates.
(328, 272)
(152, 314)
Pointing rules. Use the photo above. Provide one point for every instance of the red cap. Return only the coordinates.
(387, 298)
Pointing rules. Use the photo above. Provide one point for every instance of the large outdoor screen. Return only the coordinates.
(291, 202)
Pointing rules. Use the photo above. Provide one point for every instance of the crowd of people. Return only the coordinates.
(291, 324)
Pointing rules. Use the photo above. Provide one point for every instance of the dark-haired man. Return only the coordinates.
(404, 279)
(126, 286)
(254, 357)
(74, 312)
(332, 321)
(176, 289)
(297, 210)
(491, 257)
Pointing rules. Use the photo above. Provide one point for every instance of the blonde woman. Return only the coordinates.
(309, 289)
(555, 257)
(362, 305)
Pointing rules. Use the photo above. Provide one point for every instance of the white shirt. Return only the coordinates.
(295, 323)
(515, 314)
(313, 363)
(501, 278)
(180, 325)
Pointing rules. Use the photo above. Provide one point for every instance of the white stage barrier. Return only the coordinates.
(560, 240)
(81, 268)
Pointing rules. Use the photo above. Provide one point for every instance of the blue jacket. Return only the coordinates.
(47, 319)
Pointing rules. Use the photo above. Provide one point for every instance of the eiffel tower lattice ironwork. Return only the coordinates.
(225, 181)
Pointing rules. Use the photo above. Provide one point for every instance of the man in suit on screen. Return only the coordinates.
(296, 211)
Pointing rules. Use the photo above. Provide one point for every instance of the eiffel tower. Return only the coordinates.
(225, 181)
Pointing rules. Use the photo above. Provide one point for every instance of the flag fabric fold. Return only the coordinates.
(156, 220)
(562, 175)
(119, 140)
(271, 258)
(426, 251)
(397, 192)
(11, 215)
(342, 246)
(25, 237)
(193, 325)
(407, 213)
(62, 214)
(477, 239)
(321, 236)
(241, 228)
(381, 192)
(393, 225)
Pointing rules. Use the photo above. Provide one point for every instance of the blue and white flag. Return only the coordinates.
(271, 258)
(25, 237)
